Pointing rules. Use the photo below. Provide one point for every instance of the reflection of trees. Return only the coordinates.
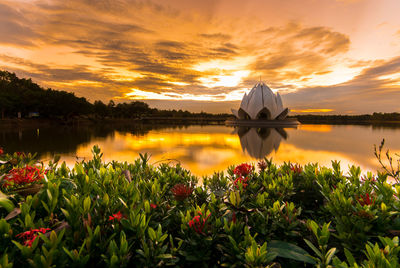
(64, 139)
(260, 142)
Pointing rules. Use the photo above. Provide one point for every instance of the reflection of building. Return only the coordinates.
(260, 142)
(261, 103)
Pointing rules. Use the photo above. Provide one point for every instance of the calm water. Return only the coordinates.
(204, 149)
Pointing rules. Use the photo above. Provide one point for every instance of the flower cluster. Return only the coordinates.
(243, 170)
(242, 180)
(368, 179)
(153, 206)
(30, 236)
(117, 216)
(366, 199)
(23, 176)
(1, 151)
(296, 169)
(199, 222)
(181, 191)
(262, 165)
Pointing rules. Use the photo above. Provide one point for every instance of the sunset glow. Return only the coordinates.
(319, 55)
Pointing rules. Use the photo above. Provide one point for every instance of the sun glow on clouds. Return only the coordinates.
(137, 94)
(224, 73)
(224, 80)
(312, 110)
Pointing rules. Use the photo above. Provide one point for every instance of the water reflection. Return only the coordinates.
(260, 142)
(205, 149)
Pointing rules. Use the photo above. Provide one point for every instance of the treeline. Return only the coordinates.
(375, 117)
(25, 97)
(22, 97)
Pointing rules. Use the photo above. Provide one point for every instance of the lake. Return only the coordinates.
(205, 149)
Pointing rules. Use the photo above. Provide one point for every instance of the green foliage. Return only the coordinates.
(126, 214)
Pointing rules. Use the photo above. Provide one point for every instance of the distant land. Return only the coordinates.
(21, 98)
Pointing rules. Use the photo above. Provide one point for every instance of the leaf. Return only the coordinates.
(314, 248)
(165, 256)
(330, 255)
(349, 257)
(127, 174)
(123, 202)
(7, 204)
(289, 251)
(86, 204)
(13, 214)
(152, 233)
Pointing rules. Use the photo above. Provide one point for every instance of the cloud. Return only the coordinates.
(295, 52)
(15, 28)
(110, 48)
(376, 88)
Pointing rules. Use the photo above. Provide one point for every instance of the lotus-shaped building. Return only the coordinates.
(261, 104)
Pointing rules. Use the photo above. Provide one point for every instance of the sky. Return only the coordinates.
(322, 56)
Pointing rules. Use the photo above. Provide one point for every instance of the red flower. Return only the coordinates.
(296, 168)
(30, 236)
(22, 176)
(366, 199)
(1, 151)
(243, 170)
(371, 180)
(117, 216)
(198, 222)
(242, 180)
(153, 206)
(181, 191)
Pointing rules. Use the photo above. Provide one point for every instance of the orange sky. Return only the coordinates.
(329, 56)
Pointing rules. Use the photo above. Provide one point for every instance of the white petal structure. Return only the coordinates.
(261, 103)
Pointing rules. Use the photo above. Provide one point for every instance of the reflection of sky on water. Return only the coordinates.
(204, 149)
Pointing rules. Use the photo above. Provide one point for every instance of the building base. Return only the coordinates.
(289, 122)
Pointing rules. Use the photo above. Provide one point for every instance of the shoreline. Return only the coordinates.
(78, 122)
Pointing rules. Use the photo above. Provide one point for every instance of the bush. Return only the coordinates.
(134, 214)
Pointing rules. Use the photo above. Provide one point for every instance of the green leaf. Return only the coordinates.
(165, 256)
(349, 257)
(152, 234)
(314, 248)
(329, 255)
(7, 204)
(86, 204)
(289, 251)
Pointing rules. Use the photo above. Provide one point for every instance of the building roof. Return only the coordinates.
(261, 103)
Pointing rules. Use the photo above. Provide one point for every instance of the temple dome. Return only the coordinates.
(261, 103)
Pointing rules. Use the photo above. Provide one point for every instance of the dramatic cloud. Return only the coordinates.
(376, 89)
(198, 54)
